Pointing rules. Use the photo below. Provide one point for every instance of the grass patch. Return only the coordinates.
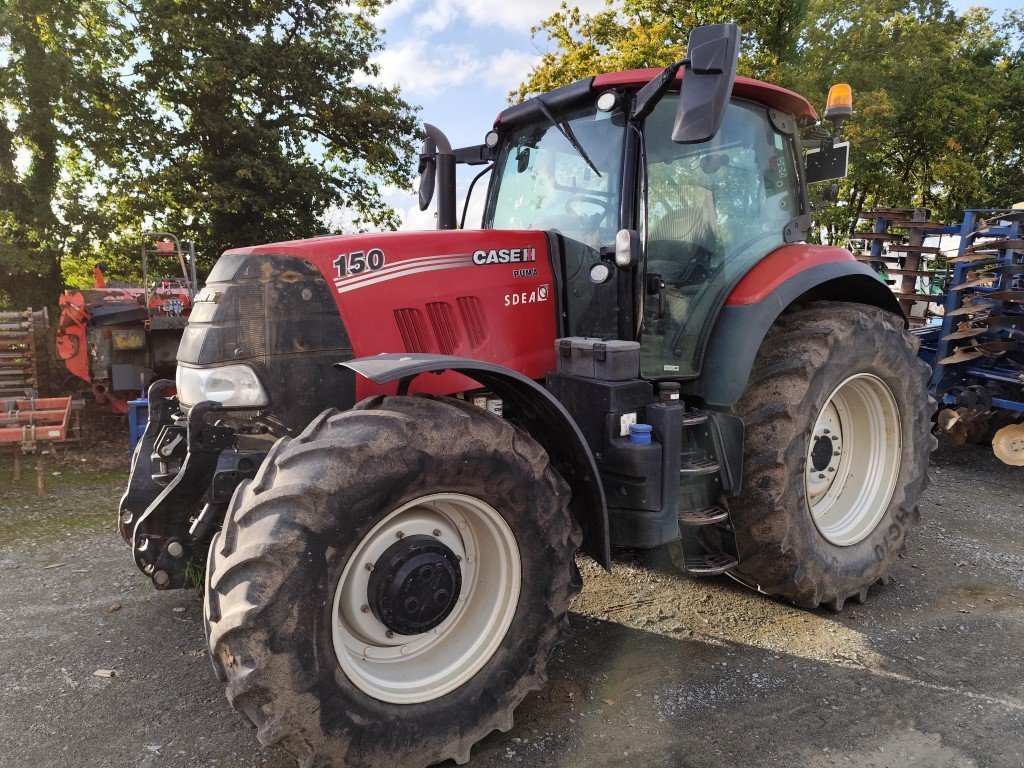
(75, 501)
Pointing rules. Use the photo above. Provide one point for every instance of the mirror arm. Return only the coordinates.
(469, 193)
(649, 96)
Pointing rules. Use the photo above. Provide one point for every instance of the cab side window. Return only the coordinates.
(712, 209)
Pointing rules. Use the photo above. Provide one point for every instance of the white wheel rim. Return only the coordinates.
(409, 669)
(849, 485)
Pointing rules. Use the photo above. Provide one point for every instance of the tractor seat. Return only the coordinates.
(680, 238)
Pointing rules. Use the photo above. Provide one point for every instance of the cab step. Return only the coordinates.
(698, 467)
(705, 516)
(709, 565)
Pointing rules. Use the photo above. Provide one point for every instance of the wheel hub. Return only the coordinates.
(414, 585)
(826, 453)
(426, 598)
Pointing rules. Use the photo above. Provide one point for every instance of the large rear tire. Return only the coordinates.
(348, 665)
(838, 434)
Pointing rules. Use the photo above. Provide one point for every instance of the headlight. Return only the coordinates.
(235, 386)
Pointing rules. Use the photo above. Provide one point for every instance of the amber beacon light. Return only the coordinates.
(840, 102)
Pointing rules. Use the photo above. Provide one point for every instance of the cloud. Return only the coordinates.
(393, 10)
(507, 69)
(406, 205)
(437, 17)
(522, 15)
(423, 70)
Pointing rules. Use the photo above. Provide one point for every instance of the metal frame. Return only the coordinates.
(188, 270)
(935, 347)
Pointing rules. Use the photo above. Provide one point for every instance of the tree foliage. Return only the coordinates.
(939, 118)
(60, 92)
(228, 123)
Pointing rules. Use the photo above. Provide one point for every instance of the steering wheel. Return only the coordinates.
(590, 220)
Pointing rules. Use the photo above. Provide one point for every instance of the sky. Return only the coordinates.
(458, 59)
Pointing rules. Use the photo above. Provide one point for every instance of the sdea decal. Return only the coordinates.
(540, 293)
(505, 256)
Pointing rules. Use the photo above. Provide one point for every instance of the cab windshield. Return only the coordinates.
(542, 182)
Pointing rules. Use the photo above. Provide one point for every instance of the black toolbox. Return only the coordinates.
(611, 360)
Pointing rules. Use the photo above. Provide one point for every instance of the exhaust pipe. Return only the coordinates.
(437, 162)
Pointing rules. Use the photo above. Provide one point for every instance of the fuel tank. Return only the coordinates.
(485, 294)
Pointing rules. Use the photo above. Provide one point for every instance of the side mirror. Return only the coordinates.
(710, 69)
(428, 172)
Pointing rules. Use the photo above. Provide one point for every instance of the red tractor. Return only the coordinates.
(387, 449)
(116, 337)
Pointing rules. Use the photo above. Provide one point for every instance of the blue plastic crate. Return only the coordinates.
(138, 418)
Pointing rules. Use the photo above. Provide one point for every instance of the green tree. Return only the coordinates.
(937, 118)
(265, 119)
(226, 123)
(653, 33)
(60, 92)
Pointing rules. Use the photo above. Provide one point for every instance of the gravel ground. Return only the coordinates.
(659, 669)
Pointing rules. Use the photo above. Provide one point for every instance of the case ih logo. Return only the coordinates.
(540, 293)
(505, 256)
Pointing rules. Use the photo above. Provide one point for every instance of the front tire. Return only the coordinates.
(347, 665)
(838, 434)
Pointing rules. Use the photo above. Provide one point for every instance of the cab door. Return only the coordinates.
(711, 212)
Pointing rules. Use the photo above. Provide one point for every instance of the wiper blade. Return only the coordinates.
(566, 130)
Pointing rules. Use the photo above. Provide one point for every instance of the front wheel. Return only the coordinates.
(389, 587)
(838, 434)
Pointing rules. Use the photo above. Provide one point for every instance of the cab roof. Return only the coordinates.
(768, 94)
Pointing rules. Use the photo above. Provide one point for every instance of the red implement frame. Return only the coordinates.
(27, 424)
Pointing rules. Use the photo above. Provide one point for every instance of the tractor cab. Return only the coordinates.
(662, 189)
(699, 215)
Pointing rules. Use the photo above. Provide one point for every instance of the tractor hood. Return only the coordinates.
(291, 310)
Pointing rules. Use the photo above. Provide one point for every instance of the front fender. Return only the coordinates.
(535, 410)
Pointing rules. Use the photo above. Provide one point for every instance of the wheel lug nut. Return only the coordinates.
(364, 608)
(836, 453)
(389, 634)
(369, 566)
(835, 437)
(400, 535)
(821, 476)
(437, 531)
(826, 431)
(459, 558)
(831, 469)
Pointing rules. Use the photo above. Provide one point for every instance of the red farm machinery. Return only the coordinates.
(117, 337)
(386, 450)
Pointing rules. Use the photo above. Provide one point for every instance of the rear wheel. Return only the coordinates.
(838, 422)
(389, 587)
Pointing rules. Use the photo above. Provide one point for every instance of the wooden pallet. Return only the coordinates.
(25, 354)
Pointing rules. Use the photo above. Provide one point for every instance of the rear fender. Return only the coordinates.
(817, 273)
(536, 411)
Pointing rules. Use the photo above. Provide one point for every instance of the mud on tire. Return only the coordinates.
(288, 534)
(804, 357)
